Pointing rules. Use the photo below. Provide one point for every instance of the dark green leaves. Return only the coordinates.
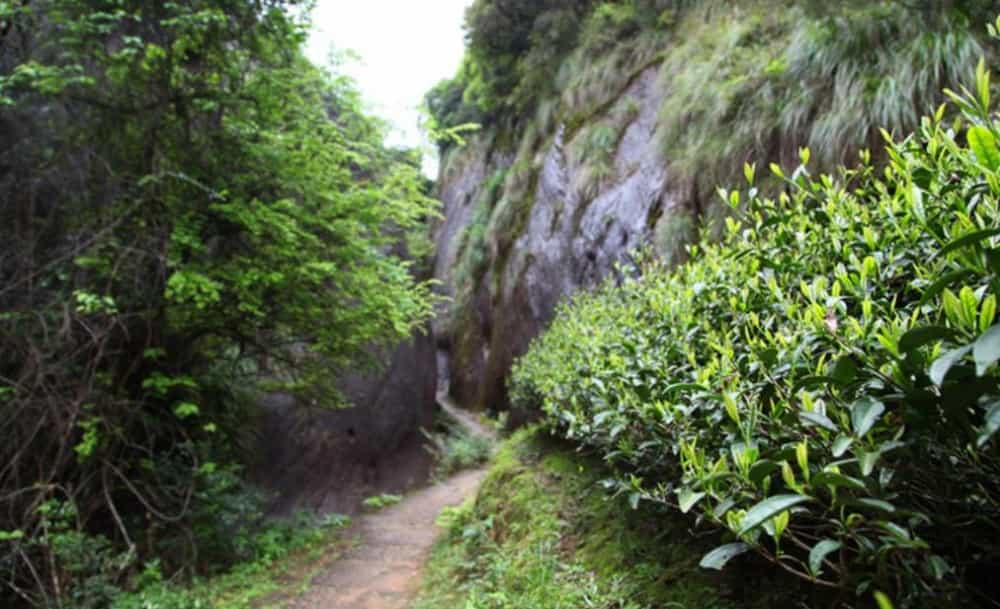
(941, 366)
(864, 413)
(820, 420)
(819, 553)
(767, 509)
(966, 240)
(687, 500)
(845, 370)
(717, 558)
(837, 480)
(943, 282)
(918, 337)
(991, 424)
(986, 350)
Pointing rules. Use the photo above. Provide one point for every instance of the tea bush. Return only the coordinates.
(822, 382)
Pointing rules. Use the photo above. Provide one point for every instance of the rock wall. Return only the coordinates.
(331, 460)
(577, 229)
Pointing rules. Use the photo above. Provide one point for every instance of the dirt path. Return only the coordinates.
(384, 570)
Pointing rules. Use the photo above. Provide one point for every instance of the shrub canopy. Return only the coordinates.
(821, 384)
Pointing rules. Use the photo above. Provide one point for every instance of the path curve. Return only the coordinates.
(384, 570)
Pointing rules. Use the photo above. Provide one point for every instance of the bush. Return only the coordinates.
(822, 383)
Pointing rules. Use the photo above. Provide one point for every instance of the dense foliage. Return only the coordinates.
(187, 204)
(823, 382)
(734, 81)
(541, 533)
(732, 63)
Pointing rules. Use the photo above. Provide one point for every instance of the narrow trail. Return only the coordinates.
(384, 570)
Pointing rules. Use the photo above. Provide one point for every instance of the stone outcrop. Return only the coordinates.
(330, 460)
(576, 231)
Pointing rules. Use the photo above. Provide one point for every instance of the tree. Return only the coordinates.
(185, 195)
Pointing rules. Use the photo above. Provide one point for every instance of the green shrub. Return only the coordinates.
(542, 534)
(279, 552)
(822, 383)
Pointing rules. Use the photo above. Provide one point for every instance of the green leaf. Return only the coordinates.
(767, 509)
(687, 499)
(717, 558)
(11, 535)
(918, 337)
(992, 424)
(864, 413)
(938, 286)
(984, 145)
(867, 461)
(968, 239)
(815, 418)
(819, 553)
(837, 480)
(685, 387)
(761, 469)
(723, 507)
(941, 366)
(184, 410)
(883, 601)
(845, 370)
(986, 350)
(841, 446)
(939, 567)
(874, 504)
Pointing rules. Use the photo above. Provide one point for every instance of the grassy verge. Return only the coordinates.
(288, 555)
(455, 448)
(544, 533)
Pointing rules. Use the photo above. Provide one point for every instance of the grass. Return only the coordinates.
(758, 81)
(291, 553)
(456, 449)
(378, 502)
(593, 150)
(470, 244)
(544, 533)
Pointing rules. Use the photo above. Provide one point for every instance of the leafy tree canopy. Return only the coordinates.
(185, 199)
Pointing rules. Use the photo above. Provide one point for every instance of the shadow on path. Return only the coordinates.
(384, 570)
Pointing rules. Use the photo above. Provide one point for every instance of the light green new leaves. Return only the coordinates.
(984, 146)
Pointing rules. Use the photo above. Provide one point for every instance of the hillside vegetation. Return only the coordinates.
(555, 87)
(188, 204)
(821, 383)
(543, 532)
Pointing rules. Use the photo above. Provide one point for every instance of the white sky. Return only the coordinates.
(405, 48)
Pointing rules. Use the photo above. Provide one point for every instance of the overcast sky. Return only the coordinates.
(405, 48)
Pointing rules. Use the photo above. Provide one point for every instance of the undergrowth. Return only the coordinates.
(822, 383)
(284, 557)
(759, 81)
(377, 502)
(544, 533)
(456, 448)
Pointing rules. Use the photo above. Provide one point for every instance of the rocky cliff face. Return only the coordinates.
(330, 460)
(576, 224)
